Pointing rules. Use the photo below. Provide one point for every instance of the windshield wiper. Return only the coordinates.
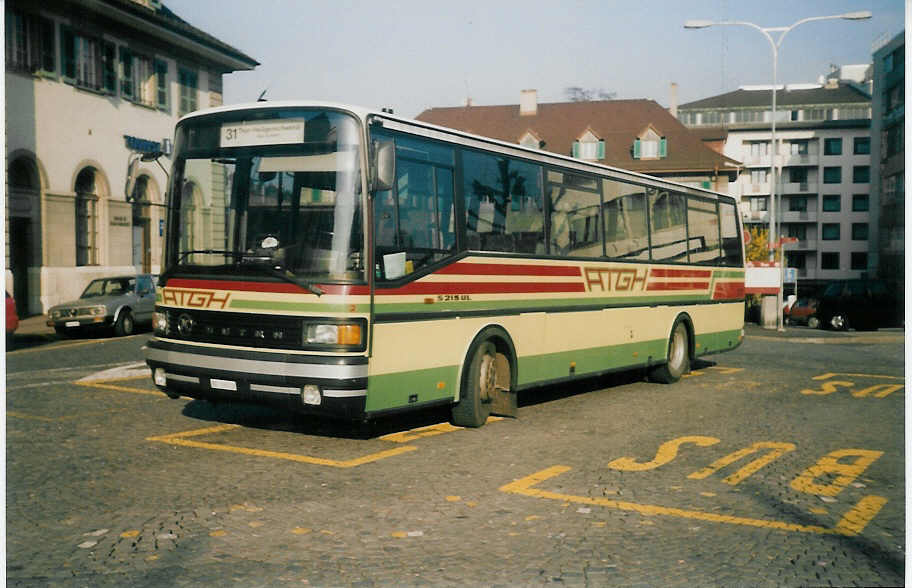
(274, 271)
(290, 277)
(234, 254)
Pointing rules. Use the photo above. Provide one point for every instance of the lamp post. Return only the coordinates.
(774, 45)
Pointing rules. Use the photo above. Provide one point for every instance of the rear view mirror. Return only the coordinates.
(384, 165)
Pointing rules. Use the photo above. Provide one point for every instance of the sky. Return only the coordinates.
(410, 55)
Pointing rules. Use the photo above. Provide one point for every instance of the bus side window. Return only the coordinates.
(731, 239)
(624, 217)
(703, 231)
(668, 230)
(503, 199)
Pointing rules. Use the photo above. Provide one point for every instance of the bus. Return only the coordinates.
(346, 262)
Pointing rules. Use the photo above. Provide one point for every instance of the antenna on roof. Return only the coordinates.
(262, 97)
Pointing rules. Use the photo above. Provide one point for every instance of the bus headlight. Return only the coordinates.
(160, 321)
(343, 334)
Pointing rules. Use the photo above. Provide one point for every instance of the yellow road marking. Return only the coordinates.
(851, 524)
(182, 439)
(104, 386)
(827, 376)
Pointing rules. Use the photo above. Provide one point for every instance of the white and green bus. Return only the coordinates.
(347, 262)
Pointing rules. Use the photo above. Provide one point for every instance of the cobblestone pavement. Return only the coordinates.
(779, 464)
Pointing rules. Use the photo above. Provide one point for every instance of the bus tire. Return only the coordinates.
(678, 362)
(478, 383)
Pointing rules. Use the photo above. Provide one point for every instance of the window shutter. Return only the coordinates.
(68, 50)
(110, 70)
(636, 149)
(663, 147)
(601, 149)
(576, 149)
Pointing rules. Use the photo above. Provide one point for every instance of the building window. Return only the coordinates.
(798, 175)
(832, 146)
(862, 146)
(758, 176)
(137, 78)
(161, 84)
(798, 204)
(859, 231)
(759, 204)
(759, 148)
(30, 45)
(832, 175)
(798, 147)
(859, 202)
(87, 62)
(86, 201)
(832, 202)
(589, 147)
(830, 231)
(859, 260)
(797, 231)
(829, 260)
(894, 140)
(187, 80)
(861, 174)
(795, 259)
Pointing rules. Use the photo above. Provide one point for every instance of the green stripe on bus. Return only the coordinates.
(579, 362)
(728, 274)
(273, 305)
(403, 388)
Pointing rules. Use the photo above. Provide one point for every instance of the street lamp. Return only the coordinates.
(774, 45)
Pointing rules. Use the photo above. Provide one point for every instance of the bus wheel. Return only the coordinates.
(678, 357)
(478, 387)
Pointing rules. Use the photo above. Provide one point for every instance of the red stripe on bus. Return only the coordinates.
(483, 288)
(677, 285)
(761, 290)
(728, 290)
(679, 273)
(495, 269)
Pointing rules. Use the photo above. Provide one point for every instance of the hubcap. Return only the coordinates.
(488, 376)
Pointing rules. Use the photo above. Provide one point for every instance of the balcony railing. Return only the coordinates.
(799, 187)
(799, 216)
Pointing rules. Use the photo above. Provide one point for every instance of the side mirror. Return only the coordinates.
(384, 165)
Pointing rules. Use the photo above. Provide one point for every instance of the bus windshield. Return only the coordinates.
(282, 195)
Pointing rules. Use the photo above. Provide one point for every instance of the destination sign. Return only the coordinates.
(266, 133)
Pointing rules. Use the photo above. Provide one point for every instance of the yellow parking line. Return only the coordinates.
(181, 439)
(834, 374)
(105, 386)
(851, 524)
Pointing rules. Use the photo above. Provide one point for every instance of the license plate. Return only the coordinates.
(72, 323)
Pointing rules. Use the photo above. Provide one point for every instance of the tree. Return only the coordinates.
(758, 247)
(577, 94)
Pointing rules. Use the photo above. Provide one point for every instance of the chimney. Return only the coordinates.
(528, 103)
(673, 108)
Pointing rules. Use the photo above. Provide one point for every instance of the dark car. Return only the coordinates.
(118, 302)
(802, 312)
(860, 304)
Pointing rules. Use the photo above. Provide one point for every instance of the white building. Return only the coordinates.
(90, 86)
(824, 136)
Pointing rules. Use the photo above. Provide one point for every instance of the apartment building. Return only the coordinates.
(823, 158)
(888, 181)
(91, 87)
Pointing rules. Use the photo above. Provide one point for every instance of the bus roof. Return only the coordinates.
(364, 112)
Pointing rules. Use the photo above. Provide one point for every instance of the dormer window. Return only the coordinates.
(530, 140)
(589, 147)
(650, 145)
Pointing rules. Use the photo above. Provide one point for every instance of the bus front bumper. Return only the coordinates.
(310, 384)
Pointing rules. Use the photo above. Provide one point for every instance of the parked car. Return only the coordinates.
(859, 304)
(802, 312)
(12, 318)
(116, 303)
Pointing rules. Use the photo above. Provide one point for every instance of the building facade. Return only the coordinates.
(888, 181)
(823, 159)
(92, 86)
(636, 135)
